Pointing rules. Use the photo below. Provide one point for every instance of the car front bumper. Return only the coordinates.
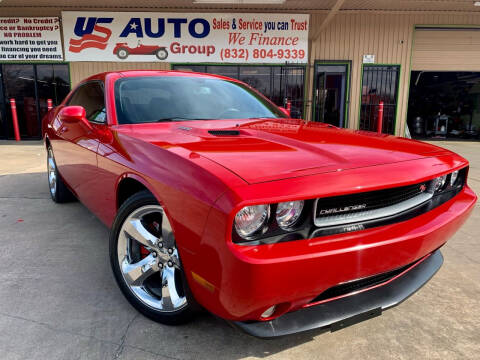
(340, 313)
(239, 283)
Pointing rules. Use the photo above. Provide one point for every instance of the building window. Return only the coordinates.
(31, 85)
(278, 83)
(379, 83)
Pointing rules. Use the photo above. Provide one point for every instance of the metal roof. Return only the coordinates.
(411, 5)
(287, 5)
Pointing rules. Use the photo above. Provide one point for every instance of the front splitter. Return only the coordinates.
(337, 314)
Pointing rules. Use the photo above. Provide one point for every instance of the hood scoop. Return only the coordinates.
(224, 132)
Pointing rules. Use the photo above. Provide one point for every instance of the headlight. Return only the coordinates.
(453, 178)
(288, 213)
(440, 183)
(251, 219)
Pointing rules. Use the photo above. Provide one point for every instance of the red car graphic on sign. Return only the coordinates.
(122, 50)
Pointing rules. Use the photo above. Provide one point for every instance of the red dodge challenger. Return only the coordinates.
(217, 199)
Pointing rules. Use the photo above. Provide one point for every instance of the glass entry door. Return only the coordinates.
(31, 86)
(53, 82)
(19, 84)
(331, 93)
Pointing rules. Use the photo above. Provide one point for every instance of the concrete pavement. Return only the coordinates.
(58, 298)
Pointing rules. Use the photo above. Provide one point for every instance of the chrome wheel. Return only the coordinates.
(148, 259)
(52, 173)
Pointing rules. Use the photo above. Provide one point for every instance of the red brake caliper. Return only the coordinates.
(155, 227)
(144, 252)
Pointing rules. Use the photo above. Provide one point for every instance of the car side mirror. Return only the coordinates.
(74, 113)
(285, 111)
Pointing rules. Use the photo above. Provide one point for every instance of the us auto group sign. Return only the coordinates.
(178, 37)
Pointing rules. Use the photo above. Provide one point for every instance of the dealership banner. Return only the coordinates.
(30, 39)
(180, 37)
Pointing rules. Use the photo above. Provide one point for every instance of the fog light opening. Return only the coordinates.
(269, 312)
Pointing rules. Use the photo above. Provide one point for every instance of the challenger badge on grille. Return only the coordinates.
(342, 209)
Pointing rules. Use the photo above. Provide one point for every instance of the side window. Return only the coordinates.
(90, 96)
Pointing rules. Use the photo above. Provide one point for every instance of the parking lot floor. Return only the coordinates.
(58, 298)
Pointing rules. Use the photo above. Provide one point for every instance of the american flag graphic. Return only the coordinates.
(91, 40)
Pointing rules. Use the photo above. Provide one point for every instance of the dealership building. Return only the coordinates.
(334, 61)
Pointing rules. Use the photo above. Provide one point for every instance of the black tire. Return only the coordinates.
(122, 53)
(59, 192)
(161, 54)
(142, 200)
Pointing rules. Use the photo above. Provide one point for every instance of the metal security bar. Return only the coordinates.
(379, 83)
(281, 84)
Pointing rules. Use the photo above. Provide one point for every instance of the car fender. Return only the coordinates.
(180, 229)
(141, 180)
(149, 187)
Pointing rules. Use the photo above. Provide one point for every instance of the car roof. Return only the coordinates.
(139, 73)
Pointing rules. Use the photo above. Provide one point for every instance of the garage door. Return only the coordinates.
(446, 49)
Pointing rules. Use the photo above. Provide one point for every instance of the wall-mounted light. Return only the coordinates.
(476, 3)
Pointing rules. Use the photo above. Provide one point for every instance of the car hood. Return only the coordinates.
(267, 150)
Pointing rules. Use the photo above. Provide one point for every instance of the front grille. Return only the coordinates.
(347, 209)
(360, 211)
(360, 284)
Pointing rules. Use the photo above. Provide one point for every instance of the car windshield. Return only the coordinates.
(181, 98)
